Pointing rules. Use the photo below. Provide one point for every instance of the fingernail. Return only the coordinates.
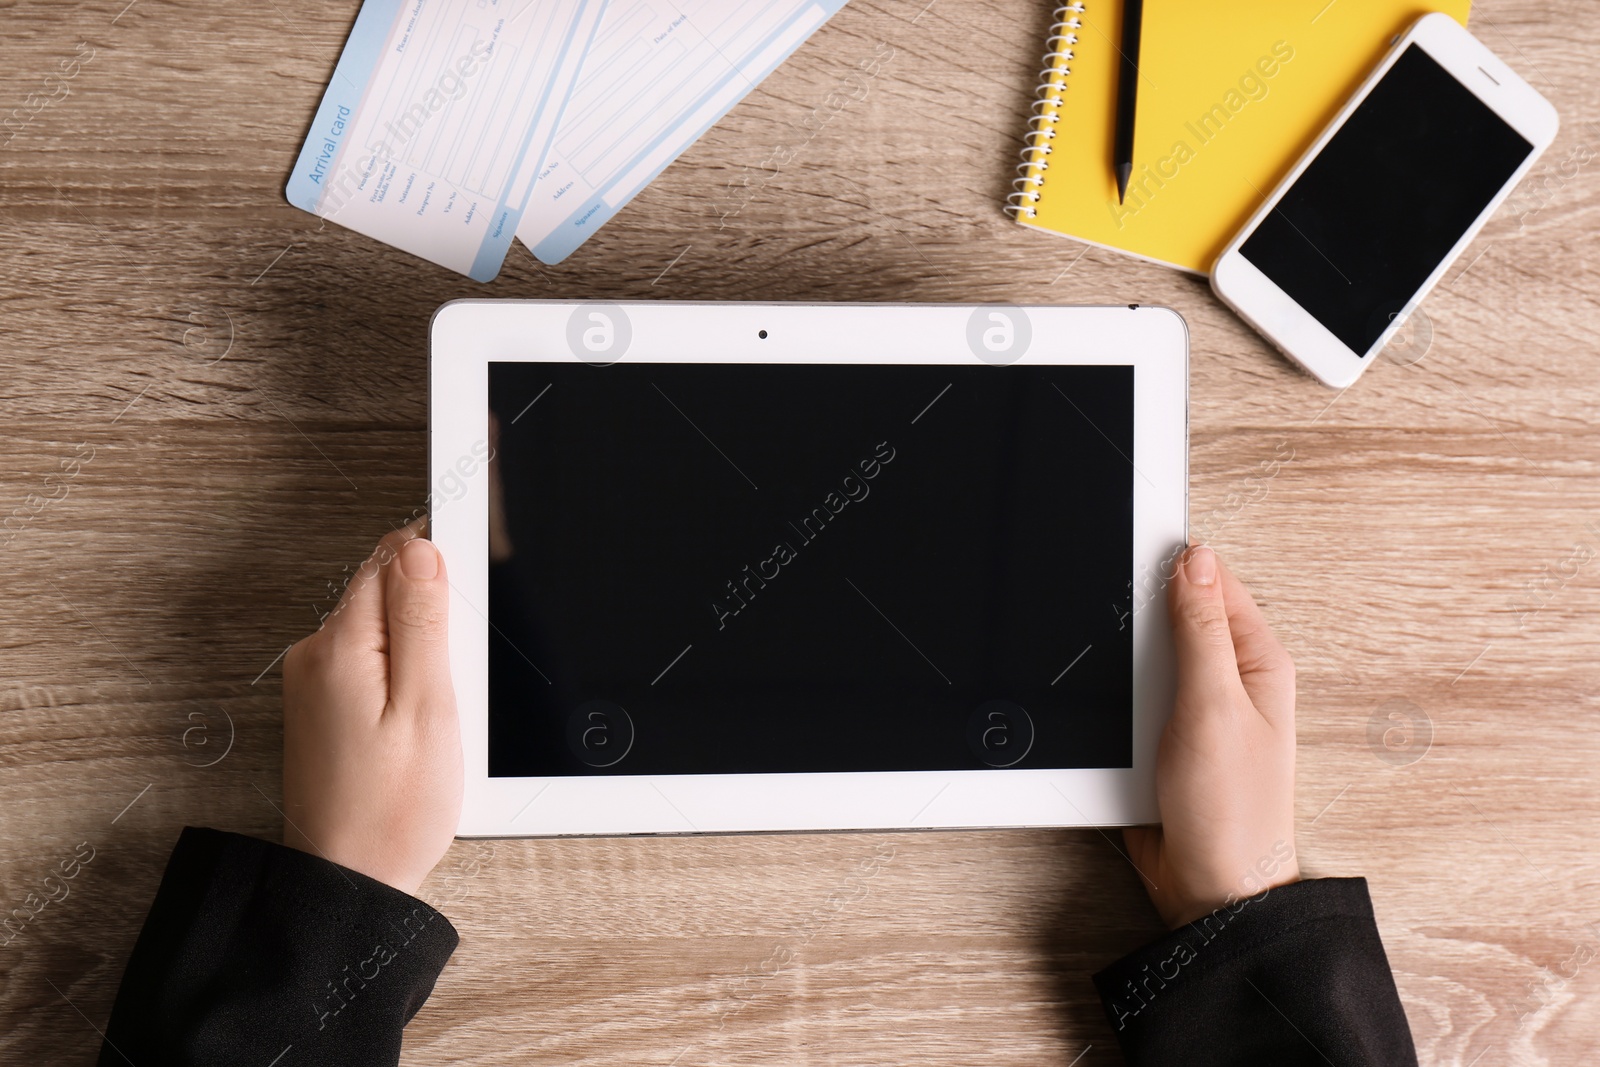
(1200, 566)
(419, 559)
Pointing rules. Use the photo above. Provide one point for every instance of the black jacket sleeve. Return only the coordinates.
(257, 953)
(1296, 975)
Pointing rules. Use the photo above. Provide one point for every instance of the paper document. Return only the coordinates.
(657, 76)
(437, 120)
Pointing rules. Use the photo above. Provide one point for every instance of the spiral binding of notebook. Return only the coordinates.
(1046, 110)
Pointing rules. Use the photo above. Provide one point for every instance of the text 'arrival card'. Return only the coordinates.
(438, 118)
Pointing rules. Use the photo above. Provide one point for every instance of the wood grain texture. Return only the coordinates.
(250, 387)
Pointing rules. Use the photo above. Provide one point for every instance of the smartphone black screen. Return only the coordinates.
(1369, 219)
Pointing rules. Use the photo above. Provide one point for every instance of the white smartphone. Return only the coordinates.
(1391, 192)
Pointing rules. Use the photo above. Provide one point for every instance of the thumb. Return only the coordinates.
(417, 596)
(1208, 670)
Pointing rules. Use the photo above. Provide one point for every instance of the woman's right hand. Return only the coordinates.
(1225, 768)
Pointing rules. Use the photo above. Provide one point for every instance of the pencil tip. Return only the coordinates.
(1124, 172)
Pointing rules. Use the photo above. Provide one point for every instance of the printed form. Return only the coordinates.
(658, 75)
(436, 122)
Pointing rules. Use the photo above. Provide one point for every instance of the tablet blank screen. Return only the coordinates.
(775, 568)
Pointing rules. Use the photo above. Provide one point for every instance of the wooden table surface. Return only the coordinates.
(213, 403)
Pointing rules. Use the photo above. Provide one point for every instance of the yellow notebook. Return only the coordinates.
(1230, 95)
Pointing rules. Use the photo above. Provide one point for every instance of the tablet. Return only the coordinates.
(761, 567)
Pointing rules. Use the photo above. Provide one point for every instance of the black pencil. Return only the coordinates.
(1127, 95)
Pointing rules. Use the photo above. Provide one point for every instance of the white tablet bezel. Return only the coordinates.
(1279, 317)
(468, 335)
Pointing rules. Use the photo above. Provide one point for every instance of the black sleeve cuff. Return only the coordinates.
(253, 951)
(1294, 975)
